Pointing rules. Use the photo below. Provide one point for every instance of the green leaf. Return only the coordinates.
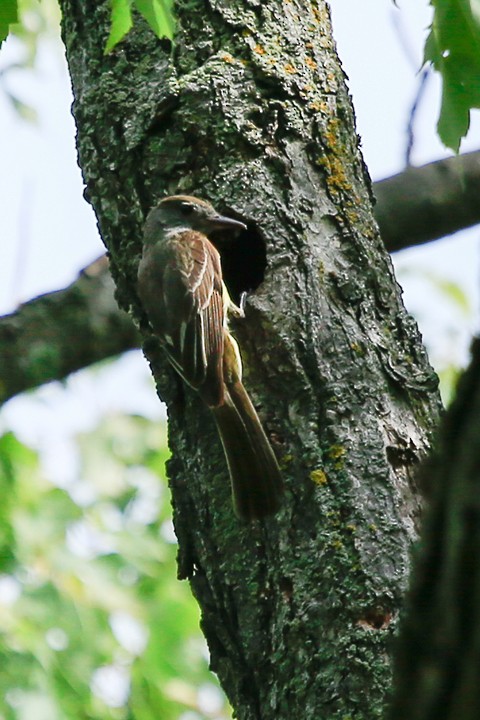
(80, 574)
(121, 23)
(454, 119)
(24, 111)
(452, 292)
(8, 15)
(453, 48)
(159, 15)
(449, 377)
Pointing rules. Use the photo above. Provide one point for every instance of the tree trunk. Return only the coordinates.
(249, 110)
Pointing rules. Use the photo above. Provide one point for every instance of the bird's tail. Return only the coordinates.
(257, 485)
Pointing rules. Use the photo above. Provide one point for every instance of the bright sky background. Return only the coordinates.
(49, 232)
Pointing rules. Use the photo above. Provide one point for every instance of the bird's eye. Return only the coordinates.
(187, 208)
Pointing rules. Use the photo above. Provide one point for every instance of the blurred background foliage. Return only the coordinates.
(37, 21)
(93, 623)
(443, 330)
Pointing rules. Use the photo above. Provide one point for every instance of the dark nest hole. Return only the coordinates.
(244, 259)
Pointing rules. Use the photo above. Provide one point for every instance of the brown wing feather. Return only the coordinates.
(201, 330)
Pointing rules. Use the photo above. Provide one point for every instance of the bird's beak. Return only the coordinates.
(221, 221)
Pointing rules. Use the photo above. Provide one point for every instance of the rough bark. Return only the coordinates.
(52, 336)
(439, 652)
(249, 109)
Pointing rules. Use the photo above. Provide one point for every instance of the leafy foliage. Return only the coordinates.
(93, 622)
(453, 47)
(121, 22)
(35, 22)
(8, 15)
(158, 14)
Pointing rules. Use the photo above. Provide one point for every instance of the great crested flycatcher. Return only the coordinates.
(182, 292)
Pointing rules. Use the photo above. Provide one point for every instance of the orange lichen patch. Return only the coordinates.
(357, 348)
(354, 217)
(330, 82)
(318, 476)
(333, 162)
(336, 451)
(338, 182)
(259, 50)
(311, 63)
(332, 133)
(290, 69)
(226, 57)
(316, 13)
(338, 179)
(322, 107)
(286, 460)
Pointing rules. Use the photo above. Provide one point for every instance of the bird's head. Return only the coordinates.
(178, 213)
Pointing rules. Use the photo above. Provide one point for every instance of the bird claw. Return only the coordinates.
(238, 311)
(243, 301)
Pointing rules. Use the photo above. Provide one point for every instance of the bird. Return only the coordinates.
(181, 289)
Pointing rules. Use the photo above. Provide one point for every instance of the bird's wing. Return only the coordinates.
(195, 341)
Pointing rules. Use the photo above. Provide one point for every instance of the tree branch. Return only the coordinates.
(429, 202)
(55, 334)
